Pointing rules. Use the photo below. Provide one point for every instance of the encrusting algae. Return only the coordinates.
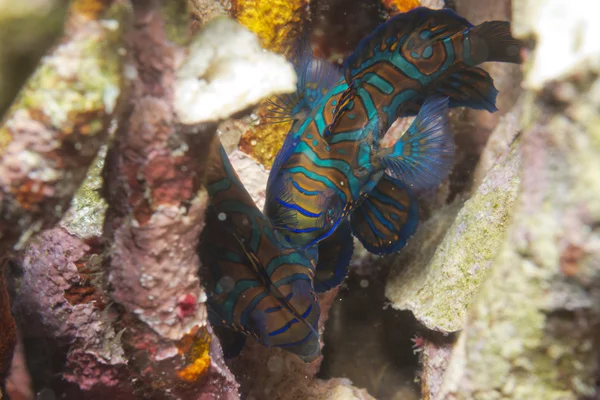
(400, 6)
(195, 346)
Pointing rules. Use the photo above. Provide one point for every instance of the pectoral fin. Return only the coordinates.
(386, 218)
(335, 253)
(423, 156)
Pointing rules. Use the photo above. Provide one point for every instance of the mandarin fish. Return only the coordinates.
(315, 78)
(331, 166)
(335, 251)
(257, 284)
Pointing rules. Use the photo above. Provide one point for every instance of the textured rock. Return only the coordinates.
(533, 329)
(437, 266)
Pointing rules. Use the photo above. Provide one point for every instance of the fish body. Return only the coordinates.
(331, 165)
(257, 284)
(417, 54)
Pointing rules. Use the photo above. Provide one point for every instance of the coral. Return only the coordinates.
(55, 127)
(429, 271)
(274, 21)
(195, 346)
(533, 329)
(400, 6)
(154, 187)
(225, 57)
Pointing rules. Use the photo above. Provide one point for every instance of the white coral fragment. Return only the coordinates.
(567, 37)
(227, 71)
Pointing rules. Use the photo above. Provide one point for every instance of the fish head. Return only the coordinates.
(304, 210)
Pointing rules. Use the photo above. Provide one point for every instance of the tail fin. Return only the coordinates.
(423, 156)
(495, 43)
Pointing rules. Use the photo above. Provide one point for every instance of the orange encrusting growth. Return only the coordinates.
(277, 23)
(90, 8)
(399, 6)
(195, 346)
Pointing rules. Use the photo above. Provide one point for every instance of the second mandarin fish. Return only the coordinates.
(257, 284)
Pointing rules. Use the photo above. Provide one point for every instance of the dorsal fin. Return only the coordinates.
(315, 78)
(420, 26)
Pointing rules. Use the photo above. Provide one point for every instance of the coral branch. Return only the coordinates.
(153, 185)
(154, 188)
(60, 303)
(55, 127)
(53, 130)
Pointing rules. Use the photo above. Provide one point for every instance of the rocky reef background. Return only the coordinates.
(102, 154)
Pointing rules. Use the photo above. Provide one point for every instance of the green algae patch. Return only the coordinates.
(438, 274)
(85, 217)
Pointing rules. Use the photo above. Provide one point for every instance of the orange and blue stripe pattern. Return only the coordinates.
(257, 284)
(331, 165)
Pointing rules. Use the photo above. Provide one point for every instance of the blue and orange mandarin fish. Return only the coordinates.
(331, 166)
(257, 284)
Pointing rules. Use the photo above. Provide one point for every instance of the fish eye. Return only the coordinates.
(330, 216)
(361, 171)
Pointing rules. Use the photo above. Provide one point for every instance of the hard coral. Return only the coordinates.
(277, 23)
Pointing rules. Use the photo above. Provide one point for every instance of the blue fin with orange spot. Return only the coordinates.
(386, 218)
(315, 78)
(423, 156)
(335, 253)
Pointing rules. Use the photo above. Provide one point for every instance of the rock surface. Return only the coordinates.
(533, 328)
(437, 275)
